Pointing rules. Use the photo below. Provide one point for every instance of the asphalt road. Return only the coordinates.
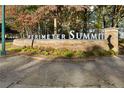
(23, 71)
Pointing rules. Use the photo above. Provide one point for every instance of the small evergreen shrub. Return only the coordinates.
(68, 54)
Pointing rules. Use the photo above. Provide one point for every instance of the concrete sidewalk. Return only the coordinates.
(23, 71)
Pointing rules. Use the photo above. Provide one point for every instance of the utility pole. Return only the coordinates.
(3, 52)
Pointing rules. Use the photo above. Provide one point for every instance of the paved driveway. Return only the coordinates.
(24, 71)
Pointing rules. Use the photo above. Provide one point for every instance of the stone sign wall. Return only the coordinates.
(110, 42)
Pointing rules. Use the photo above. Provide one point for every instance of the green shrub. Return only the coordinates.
(112, 52)
(56, 52)
(68, 54)
(88, 53)
(14, 49)
(80, 54)
(29, 50)
(8, 44)
(121, 41)
(45, 53)
(100, 53)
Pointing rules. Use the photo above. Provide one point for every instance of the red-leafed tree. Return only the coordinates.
(28, 19)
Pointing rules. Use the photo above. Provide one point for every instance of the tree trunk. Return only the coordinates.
(113, 23)
(32, 43)
(113, 14)
(104, 22)
(85, 21)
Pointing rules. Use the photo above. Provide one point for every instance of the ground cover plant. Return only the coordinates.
(60, 52)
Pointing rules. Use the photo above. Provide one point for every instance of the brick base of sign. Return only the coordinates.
(110, 42)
